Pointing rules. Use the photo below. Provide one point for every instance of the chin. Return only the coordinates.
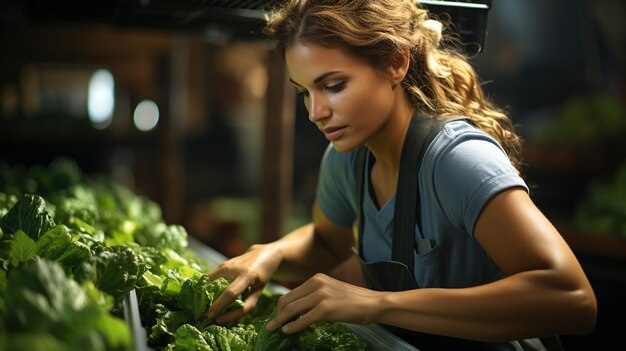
(343, 147)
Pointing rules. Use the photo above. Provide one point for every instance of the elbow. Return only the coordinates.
(586, 310)
(590, 311)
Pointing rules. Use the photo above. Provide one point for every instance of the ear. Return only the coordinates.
(398, 66)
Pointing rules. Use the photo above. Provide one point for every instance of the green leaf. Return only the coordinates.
(194, 297)
(114, 331)
(6, 202)
(275, 341)
(22, 250)
(42, 299)
(58, 244)
(3, 289)
(114, 270)
(151, 256)
(167, 322)
(30, 215)
(39, 294)
(237, 338)
(172, 283)
(34, 341)
(54, 242)
(189, 272)
(152, 279)
(217, 287)
(98, 296)
(161, 236)
(78, 213)
(64, 172)
(188, 338)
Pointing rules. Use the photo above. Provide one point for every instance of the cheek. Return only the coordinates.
(375, 102)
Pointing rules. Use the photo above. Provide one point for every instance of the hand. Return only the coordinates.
(252, 271)
(322, 298)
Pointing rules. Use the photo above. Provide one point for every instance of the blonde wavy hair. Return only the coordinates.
(440, 82)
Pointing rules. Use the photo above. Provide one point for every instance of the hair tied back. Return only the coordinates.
(436, 28)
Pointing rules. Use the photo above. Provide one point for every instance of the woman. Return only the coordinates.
(485, 264)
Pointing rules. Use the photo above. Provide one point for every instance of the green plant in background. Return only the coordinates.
(603, 209)
(71, 249)
(585, 120)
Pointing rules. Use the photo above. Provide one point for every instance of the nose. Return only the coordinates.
(317, 107)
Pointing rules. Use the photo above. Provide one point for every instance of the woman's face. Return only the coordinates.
(347, 98)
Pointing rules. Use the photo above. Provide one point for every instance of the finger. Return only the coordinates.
(296, 293)
(298, 302)
(252, 299)
(302, 322)
(287, 312)
(236, 314)
(306, 313)
(234, 289)
(214, 274)
(219, 272)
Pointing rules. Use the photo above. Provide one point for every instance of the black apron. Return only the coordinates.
(397, 274)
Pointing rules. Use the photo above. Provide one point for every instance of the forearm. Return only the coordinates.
(302, 253)
(524, 305)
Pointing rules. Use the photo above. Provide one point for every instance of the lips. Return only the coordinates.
(333, 133)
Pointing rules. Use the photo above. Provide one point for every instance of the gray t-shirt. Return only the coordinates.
(461, 171)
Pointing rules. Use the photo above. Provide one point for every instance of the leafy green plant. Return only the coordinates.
(585, 120)
(45, 308)
(603, 209)
(28, 215)
(71, 249)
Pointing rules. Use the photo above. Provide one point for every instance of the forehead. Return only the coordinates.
(306, 62)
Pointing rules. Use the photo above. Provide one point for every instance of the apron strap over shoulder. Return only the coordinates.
(359, 172)
(407, 209)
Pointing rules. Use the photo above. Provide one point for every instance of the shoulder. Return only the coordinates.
(461, 130)
(463, 158)
(338, 162)
(464, 142)
(466, 167)
(336, 187)
(337, 170)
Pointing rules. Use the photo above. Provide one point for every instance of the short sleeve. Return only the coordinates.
(336, 188)
(469, 172)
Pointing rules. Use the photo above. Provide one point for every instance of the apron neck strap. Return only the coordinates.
(407, 209)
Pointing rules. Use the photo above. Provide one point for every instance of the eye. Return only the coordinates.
(335, 88)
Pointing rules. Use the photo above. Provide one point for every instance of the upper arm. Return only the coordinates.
(334, 211)
(538, 262)
(338, 239)
(518, 237)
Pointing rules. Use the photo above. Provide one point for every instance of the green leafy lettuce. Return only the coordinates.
(45, 308)
(29, 214)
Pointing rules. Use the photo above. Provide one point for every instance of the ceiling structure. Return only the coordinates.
(229, 19)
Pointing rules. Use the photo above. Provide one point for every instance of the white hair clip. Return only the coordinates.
(435, 26)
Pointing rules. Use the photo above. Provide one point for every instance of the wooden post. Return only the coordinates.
(277, 169)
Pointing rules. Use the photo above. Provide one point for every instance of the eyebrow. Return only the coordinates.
(318, 79)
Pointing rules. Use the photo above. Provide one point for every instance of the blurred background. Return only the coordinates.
(186, 103)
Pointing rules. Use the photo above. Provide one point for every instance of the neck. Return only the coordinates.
(386, 145)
